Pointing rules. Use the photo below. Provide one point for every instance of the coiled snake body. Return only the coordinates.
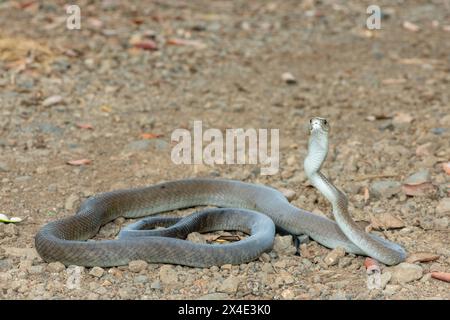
(251, 208)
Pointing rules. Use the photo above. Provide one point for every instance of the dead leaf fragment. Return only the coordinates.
(393, 81)
(444, 276)
(80, 162)
(422, 257)
(385, 221)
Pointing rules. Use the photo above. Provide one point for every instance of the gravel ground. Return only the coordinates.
(133, 68)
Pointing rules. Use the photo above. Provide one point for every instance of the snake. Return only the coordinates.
(255, 209)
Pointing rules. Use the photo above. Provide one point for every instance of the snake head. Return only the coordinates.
(318, 123)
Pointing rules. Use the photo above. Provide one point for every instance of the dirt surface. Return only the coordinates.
(91, 93)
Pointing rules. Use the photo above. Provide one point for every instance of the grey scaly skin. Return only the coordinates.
(64, 240)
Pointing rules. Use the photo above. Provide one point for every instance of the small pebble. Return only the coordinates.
(137, 266)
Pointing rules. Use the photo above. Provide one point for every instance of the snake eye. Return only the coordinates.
(325, 122)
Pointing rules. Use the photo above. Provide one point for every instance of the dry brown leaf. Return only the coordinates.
(421, 189)
(422, 257)
(385, 221)
(444, 276)
(446, 167)
(369, 34)
(85, 126)
(80, 162)
(95, 23)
